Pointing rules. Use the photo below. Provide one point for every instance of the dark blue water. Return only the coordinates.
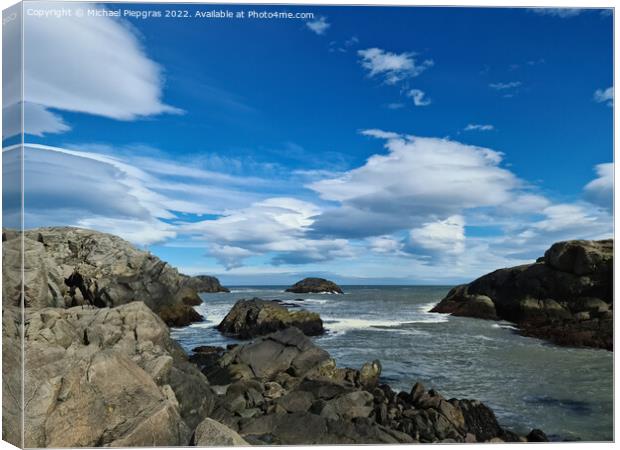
(529, 383)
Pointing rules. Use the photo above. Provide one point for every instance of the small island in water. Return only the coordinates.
(99, 350)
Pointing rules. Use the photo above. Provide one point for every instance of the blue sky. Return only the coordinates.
(369, 145)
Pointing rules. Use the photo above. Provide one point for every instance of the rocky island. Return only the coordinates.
(315, 286)
(566, 296)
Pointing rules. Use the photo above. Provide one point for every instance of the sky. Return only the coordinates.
(369, 145)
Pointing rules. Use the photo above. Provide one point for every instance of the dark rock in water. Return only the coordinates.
(256, 317)
(316, 286)
(537, 435)
(565, 297)
(205, 283)
(75, 266)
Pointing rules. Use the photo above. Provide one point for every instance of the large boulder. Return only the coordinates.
(211, 433)
(315, 286)
(565, 296)
(256, 317)
(205, 283)
(65, 267)
(108, 377)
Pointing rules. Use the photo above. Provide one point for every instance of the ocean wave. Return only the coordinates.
(504, 326)
(426, 307)
(342, 325)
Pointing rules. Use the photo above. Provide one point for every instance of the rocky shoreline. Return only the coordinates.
(102, 369)
(565, 297)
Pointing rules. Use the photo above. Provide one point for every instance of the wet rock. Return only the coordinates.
(256, 317)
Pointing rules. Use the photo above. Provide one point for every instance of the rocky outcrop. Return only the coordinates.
(256, 317)
(315, 286)
(205, 283)
(66, 267)
(566, 296)
(281, 389)
(108, 377)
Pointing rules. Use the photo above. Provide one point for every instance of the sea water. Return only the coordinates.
(529, 383)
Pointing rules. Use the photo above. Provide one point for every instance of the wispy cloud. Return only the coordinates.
(479, 127)
(558, 12)
(501, 86)
(393, 67)
(319, 26)
(604, 96)
(419, 97)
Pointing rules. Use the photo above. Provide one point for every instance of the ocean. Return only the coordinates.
(529, 383)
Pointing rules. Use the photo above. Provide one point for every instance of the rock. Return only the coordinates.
(205, 283)
(256, 317)
(287, 351)
(547, 299)
(349, 406)
(108, 376)
(296, 401)
(537, 435)
(581, 257)
(67, 267)
(210, 433)
(369, 374)
(316, 286)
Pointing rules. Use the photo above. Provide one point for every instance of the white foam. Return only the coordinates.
(428, 306)
(343, 324)
(504, 326)
(318, 301)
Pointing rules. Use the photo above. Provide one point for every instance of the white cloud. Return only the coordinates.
(385, 245)
(479, 127)
(275, 225)
(419, 97)
(419, 180)
(392, 67)
(604, 96)
(93, 65)
(420, 172)
(600, 191)
(395, 105)
(442, 237)
(37, 120)
(319, 26)
(501, 86)
(558, 12)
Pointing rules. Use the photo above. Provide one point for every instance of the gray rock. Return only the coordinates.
(266, 357)
(349, 406)
(316, 286)
(108, 376)
(67, 267)
(210, 433)
(205, 283)
(256, 317)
